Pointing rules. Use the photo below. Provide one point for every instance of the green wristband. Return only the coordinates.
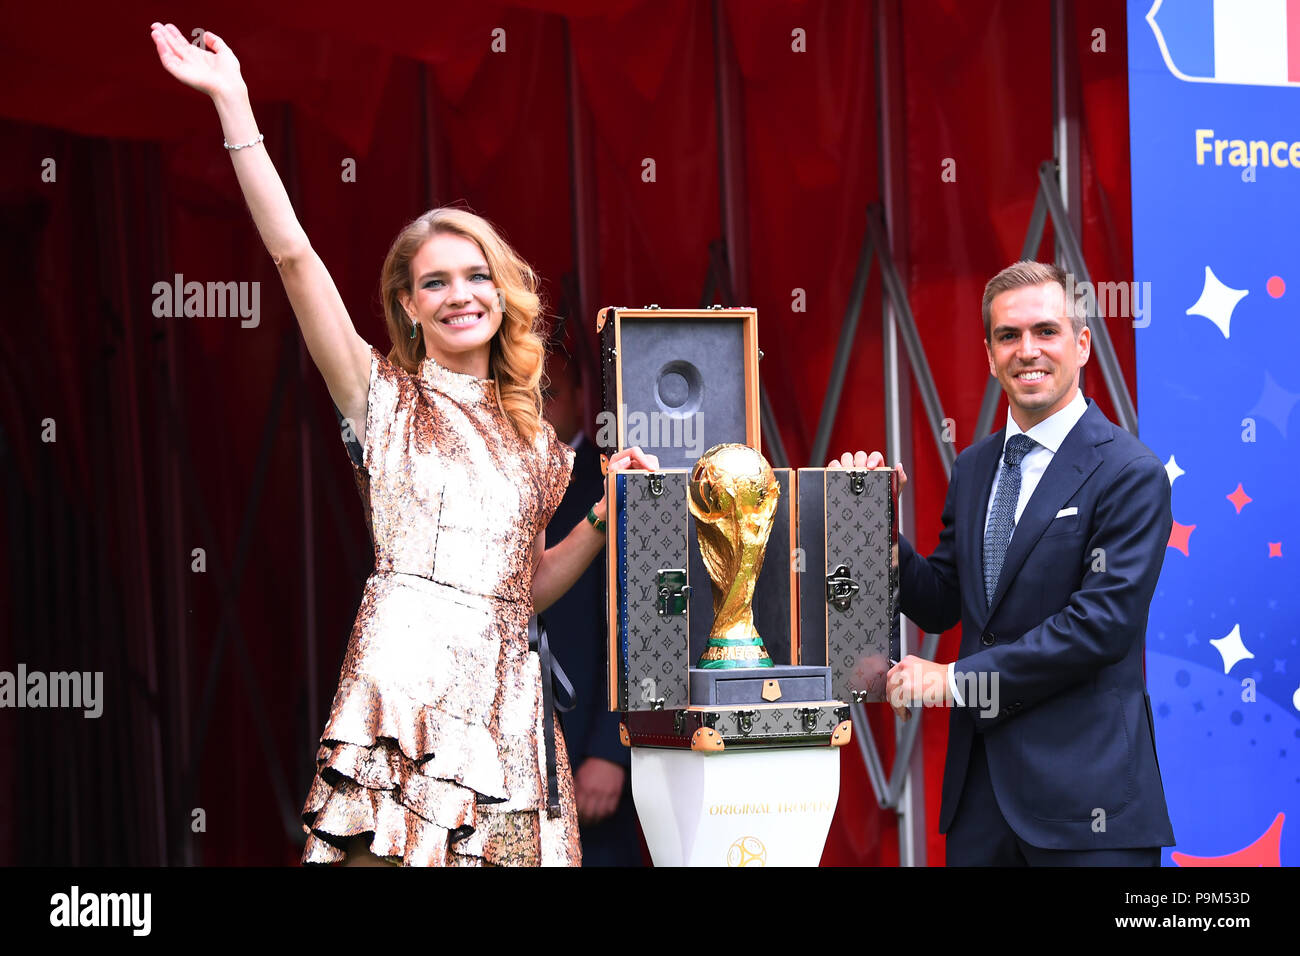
(597, 523)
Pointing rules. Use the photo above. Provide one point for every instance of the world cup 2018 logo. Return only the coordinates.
(747, 851)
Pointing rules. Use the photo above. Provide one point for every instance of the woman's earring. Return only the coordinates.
(415, 327)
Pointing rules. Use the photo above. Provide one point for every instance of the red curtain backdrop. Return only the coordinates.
(177, 434)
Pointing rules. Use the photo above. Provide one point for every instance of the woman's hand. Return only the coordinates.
(561, 565)
(210, 70)
(621, 461)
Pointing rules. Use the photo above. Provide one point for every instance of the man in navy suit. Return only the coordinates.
(1054, 532)
(575, 627)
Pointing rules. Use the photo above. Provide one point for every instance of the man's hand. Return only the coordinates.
(873, 462)
(599, 786)
(915, 681)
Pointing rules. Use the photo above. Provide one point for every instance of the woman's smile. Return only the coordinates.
(462, 320)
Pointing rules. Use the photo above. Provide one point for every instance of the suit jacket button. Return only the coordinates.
(987, 639)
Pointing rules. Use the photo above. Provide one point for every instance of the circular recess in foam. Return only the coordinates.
(679, 389)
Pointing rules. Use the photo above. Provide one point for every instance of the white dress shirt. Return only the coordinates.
(1049, 433)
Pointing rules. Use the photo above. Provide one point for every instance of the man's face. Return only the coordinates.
(1034, 353)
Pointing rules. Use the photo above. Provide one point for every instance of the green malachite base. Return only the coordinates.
(728, 664)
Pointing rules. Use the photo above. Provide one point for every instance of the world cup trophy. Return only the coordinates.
(733, 496)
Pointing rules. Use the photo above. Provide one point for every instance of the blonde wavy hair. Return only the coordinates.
(518, 350)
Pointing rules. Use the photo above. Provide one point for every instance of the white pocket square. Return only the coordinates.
(1066, 512)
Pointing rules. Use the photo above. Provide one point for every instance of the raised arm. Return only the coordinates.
(340, 354)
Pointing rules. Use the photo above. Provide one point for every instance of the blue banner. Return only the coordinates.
(1214, 114)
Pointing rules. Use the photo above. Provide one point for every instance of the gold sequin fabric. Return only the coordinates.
(434, 746)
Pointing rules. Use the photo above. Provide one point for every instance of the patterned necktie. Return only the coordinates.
(1002, 519)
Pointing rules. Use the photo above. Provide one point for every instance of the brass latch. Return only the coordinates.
(809, 717)
(745, 720)
(673, 591)
(840, 588)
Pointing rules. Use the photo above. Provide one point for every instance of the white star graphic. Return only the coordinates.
(1173, 471)
(1231, 649)
(1217, 301)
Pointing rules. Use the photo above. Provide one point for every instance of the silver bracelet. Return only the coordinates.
(260, 136)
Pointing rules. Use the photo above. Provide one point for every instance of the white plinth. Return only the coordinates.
(736, 808)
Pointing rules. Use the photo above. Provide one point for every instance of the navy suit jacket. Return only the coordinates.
(575, 626)
(1071, 744)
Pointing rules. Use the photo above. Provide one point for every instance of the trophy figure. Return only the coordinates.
(733, 496)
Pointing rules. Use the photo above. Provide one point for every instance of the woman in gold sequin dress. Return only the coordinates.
(439, 748)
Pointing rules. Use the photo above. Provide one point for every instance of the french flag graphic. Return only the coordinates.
(1250, 42)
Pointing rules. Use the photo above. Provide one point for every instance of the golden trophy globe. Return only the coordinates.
(733, 496)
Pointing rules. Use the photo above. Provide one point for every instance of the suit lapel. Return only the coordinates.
(1073, 463)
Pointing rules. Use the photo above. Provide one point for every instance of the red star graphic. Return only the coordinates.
(1266, 851)
(1179, 536)
(1275, 549)
(1239, 498)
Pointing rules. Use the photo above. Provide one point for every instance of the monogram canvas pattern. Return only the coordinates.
(652, 536)
(765, 723)
(859, 536)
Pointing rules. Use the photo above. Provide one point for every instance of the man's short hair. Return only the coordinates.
(1024, 273)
